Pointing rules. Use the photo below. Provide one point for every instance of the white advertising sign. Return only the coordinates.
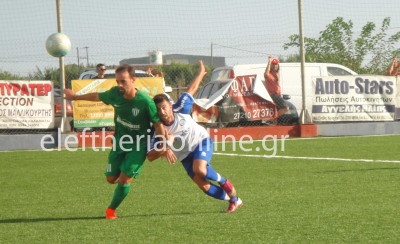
(354, 98)
(26, 105)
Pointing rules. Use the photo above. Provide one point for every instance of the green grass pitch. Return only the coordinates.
(297, 197)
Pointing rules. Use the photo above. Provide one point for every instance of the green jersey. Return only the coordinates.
(131, 117)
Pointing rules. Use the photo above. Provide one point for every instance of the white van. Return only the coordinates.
(290, 77)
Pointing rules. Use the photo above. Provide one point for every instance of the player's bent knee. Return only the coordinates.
(112, 179)
(200, 168)
(203, 184)
(124, 182)
(124, 179)
(200, 172)
(205, 188)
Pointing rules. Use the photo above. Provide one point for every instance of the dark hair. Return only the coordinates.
(159, 98)
(126, 67)
(157, 72)
(99, 65)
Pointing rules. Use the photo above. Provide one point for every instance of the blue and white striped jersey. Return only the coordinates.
(188, 134)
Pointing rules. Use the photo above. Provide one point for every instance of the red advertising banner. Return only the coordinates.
(26, 105)
(241, 102)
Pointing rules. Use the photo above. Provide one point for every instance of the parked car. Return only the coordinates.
(58, 96)
(90, 74)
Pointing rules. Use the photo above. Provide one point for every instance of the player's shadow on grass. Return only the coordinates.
(170, 214)
(7, 221)
(23, 220)
(354, 170)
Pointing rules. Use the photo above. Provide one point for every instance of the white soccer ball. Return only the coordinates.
(58, 45)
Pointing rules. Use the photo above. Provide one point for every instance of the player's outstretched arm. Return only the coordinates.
(154, 154)
(393, 67)
(70, 95)
(164, 150)
(268, 68)
(159, 128)
(194, 85)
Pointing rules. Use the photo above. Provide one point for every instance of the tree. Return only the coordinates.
(180, 75)
(4, 75)
(336, 45)
(51, 74)
(72, 72)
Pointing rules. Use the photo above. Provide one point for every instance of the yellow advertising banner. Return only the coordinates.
(97, 114)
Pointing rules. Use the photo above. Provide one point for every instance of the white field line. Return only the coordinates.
(72, 149)
(264, 156)
(309, 158)
(311, 138)
(291, 139)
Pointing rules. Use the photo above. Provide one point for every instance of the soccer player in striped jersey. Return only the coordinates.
(191, 144)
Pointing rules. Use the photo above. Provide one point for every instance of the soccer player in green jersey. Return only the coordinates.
(134, 110)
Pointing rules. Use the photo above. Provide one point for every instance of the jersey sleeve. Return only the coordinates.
(184, 104)
(153, 115)
(106, 97)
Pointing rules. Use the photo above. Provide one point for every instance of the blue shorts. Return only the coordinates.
(203, 151)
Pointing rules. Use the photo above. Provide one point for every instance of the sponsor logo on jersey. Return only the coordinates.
(135, 111)
(203, 154)
(127, 124)
(184, 132)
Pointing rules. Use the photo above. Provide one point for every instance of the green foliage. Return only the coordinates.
(72, 72)
(337, 45)
(4, 75)
(180, 75)
(292, 58)
(47, 74)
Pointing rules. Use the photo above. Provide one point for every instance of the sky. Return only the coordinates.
(241, 31)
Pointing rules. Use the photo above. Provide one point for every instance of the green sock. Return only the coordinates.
(119, 194)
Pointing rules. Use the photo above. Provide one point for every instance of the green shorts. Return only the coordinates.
(129, 163)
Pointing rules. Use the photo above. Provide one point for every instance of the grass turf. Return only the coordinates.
(61, 196)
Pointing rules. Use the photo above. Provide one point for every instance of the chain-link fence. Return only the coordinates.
(341, 38)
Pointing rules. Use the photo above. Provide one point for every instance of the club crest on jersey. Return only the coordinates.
(135, 111)
(182, 122)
